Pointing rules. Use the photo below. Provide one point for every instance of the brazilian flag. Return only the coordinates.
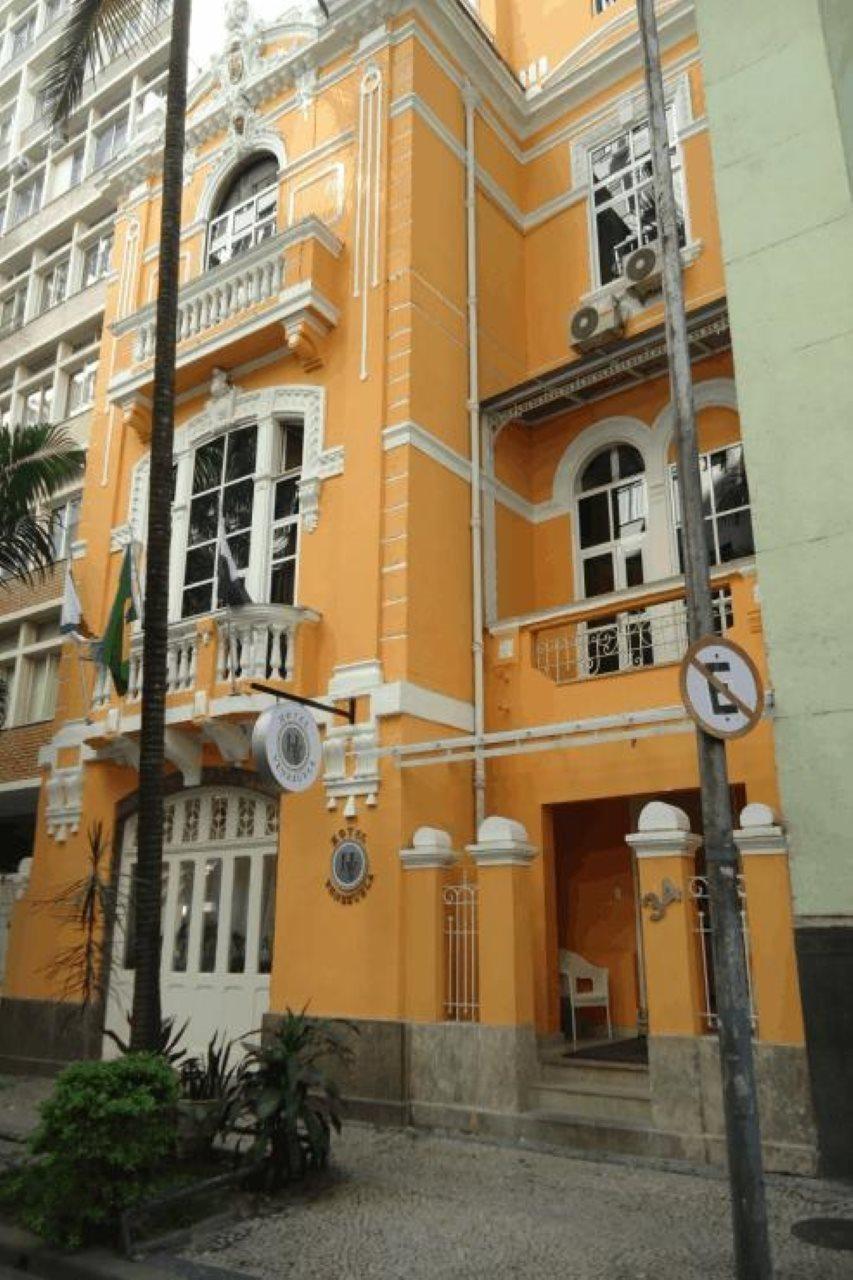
(114, 648)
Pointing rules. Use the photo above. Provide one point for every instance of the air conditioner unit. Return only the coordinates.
(642, 270)
(19, 166)
(596, 324)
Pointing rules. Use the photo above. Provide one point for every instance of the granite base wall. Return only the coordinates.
(45, 1035)
(687, 1099)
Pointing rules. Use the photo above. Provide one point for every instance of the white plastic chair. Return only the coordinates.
(574, 971)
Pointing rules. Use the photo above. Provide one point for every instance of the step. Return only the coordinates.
(580, 1133)
(583, 1072)
(593, 1101)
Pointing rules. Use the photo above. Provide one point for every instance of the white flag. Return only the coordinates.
(71, 617)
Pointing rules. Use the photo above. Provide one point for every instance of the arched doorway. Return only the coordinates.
(218, 896)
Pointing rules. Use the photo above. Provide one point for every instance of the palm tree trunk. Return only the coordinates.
(146, 1017)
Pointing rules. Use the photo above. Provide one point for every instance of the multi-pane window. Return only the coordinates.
(110, 140)
(247, 214)
(623, 197)
(598, 6)
(81, 386)
(66, 522)
(96, 259)
(29, 668)
(612, 509)
(285, 532)
(12, 309)
(725, 506)
(223, 491)
(26, 199)
(53, 8)
(23, 35)
(54, 287)
(6, 120)
(38, 403)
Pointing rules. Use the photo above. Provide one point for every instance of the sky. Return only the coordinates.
(208, 29)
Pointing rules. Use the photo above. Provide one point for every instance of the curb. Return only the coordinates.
(24, 1252)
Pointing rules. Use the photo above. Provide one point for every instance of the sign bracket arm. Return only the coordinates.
(348, 714)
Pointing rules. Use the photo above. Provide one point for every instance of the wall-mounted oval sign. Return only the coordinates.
(349, 872)
(286, 747)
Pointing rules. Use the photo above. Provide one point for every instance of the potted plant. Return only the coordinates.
(209, 1094)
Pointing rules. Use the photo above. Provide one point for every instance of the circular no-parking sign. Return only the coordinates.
(721, 687)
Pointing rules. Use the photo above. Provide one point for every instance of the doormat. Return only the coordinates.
(634, 1051)
(826, 1233)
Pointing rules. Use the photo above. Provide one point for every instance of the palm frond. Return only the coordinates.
(95, 32)
(35, 462)
(26, 547)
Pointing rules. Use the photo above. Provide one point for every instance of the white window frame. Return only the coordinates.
(601, 6)
(714, 516)
(89, 371)
(44, 388)
(34, 187)
(66, 512)
(618, 548)
(101, 249)
(49, 295)
(117, 130)
(28, 24)
(261, 228)
(18, 658)
(294, 521)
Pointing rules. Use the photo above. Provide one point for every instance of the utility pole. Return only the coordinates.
(746, 1175)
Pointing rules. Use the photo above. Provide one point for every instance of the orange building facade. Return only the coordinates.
(422, 390)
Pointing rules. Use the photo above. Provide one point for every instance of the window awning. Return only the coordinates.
(625, 364)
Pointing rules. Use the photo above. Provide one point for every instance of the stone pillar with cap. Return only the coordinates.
(763, 848)
(425, 863)
(665, 850)
(503, 855)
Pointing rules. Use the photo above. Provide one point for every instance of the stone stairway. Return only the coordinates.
(595, 1106)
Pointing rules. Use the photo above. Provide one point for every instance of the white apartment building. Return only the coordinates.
(58, 197)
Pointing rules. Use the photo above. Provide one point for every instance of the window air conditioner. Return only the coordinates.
(643, 269)
(596, 324)
(19, 165)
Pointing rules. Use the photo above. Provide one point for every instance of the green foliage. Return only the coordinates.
(169, 1047)
(36, 461)
(292, 1102)
(105, 1133)
(210, 1096)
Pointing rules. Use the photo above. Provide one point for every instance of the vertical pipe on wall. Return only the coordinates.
(469, 95)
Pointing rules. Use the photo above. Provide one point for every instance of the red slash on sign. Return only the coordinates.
(721, 687)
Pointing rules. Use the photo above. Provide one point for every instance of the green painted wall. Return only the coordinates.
(780, 103)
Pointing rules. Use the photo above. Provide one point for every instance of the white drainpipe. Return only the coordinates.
(469, 95)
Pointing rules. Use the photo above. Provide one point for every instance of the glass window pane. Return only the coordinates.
(200, 563)
(283, 583)
(239, 916)
(241, 453)
(204, 517)
(284, 541)
(594, 520)
(210, 915)
(293, 439)
(265, 939)
(598, 472)
(630, 461)
(239, 546)
(183, 909)
(634, 569)
(735, 536)
(598, 575)
(728, 477)
(286, 499)
(618, 235)
(629, 508)
(602, 647)
(237, 502)
(197, 600)
(207, 470)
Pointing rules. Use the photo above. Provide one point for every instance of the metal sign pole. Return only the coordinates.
(749, 1210)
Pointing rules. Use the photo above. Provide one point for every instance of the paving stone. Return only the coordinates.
(423, 1206)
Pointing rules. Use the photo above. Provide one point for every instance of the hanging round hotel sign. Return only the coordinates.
(721, 687)
(349, 872)
(286, 747)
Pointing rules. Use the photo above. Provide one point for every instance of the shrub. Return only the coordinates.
(104, 1133)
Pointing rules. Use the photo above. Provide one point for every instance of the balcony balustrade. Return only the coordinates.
(256, 642)
(288, 282)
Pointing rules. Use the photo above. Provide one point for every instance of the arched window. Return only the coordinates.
(247, 211)
(612, 518)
